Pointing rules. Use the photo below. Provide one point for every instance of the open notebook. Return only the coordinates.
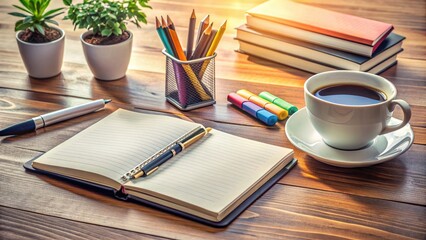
(207, 181)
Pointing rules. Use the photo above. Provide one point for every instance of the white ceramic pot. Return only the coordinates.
(42, 60)
(108, 62)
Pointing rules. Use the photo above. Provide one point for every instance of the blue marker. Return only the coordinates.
(260, 113)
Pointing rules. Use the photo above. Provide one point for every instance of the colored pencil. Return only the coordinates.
(181, 56)
(216, 39)
(175, 39)
(203, 25)
(163, 36)
(191, 29)
(202, 43)
(209, 43)
(169, 39)
(212, 48)
(180, 82)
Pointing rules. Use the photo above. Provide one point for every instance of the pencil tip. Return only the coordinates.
(157, 22)
(107, 101)
(206, 19)
(163, 22)
(224, 23)
(193, 13)
(169, 20)
(209, 29)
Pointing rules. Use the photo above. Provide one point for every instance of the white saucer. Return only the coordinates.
(385, 147)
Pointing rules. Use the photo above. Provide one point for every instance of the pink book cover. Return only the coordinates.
(335, 24)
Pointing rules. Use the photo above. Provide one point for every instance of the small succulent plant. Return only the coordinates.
(34, 16)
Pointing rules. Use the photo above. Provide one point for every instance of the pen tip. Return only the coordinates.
(208, 129)
(107, 101)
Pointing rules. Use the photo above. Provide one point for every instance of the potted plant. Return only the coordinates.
(41, 45)
(107, 44)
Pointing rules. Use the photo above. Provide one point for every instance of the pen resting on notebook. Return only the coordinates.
(173, 151)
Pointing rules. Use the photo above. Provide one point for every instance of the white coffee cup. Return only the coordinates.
(352, 126)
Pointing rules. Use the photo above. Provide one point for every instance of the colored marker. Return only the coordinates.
(280, 112)
(279, 102)
(263, 115)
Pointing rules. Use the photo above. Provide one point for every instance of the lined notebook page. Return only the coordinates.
(213, 172)
(117, 143)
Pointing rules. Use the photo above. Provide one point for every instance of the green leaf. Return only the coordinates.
(34, 6)
(17, 24)
(112, 16)
(117, 31)
(106, 32)
(16, 14)
(52, 21)
(27, 5)
(28, 19)
(50, 17)
(52, 11)
(20, 25)
(23, 9)
(44, 5)
(143, 3)
(67, 2)
(39, 29)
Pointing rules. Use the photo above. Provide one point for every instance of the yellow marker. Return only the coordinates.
(280, 112)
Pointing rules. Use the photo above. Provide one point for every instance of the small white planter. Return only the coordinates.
(108, 62)
(42, 60)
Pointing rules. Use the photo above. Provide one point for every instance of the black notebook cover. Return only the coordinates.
(226, 221)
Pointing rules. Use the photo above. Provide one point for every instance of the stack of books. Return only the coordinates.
(318, 40)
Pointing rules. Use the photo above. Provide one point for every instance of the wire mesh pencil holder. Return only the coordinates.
(190, 84)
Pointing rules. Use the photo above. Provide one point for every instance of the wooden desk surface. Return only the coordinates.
(314, 200)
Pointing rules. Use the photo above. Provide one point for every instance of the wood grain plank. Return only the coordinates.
(403, 177)
(14, 100)
(149, 92)
(285, 211)
(18, 224)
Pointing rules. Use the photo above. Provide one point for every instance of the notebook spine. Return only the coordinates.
(128, 175)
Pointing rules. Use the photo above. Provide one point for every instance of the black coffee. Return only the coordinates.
(350, 95)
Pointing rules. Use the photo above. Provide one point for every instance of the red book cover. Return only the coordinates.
(314, 19)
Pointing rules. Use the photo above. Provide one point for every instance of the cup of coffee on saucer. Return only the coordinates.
(351, 113)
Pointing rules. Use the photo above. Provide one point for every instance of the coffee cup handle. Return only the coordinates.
(407, 115)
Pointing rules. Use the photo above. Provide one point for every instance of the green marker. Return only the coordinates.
(279, 102)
